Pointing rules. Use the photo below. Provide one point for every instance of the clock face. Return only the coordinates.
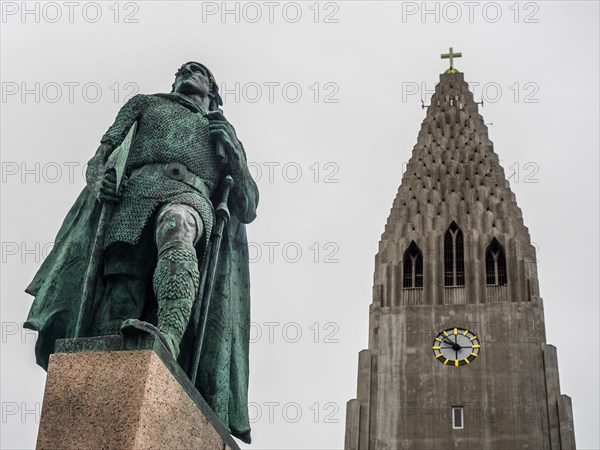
(456, 347)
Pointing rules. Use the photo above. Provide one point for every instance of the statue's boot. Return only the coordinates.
(175, 281)
(136, 327)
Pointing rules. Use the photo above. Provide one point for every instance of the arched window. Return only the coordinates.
(413, 267)
(495, 264)
(454, 257)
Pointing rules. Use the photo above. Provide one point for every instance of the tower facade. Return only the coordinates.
(457, 353)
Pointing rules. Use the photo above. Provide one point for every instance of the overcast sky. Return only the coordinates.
(327, 100)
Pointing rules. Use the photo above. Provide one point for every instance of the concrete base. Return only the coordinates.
(123, 399)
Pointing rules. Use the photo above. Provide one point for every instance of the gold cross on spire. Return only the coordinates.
(451, 55)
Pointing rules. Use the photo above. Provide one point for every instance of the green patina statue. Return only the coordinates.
(158, 243)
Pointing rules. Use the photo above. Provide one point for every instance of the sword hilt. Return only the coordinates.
(222, 210)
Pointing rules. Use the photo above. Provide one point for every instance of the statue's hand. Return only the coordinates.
(96, 167)
(221, 131)
(108, 190)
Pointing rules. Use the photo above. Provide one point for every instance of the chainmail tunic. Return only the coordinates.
(168, 132)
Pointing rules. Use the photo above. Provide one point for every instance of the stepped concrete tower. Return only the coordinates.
(457, 354)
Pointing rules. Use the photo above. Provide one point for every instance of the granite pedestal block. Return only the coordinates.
(111, 393)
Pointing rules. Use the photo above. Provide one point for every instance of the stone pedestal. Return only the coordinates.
(112, 394)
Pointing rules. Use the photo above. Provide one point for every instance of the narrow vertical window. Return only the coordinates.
(495, 264)
(457, 418)
(454, 257)
(413, 267)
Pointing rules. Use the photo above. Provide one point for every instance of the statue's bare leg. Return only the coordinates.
(176, 276)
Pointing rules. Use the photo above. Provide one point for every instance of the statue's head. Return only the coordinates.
(194, 79)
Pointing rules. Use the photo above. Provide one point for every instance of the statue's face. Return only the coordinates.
(193, 80)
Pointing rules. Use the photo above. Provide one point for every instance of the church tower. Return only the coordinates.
(457, 353)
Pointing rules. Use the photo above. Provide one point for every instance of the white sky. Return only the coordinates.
(535, 64)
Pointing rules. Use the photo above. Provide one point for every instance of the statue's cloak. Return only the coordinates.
(223, 370)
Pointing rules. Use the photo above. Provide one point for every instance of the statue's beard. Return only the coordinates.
(188, 87)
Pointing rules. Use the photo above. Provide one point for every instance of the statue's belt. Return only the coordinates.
(177, 172)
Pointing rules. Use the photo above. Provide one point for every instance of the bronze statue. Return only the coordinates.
(156, 251)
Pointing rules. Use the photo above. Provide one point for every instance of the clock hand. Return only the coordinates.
(456, 346)
(447, 341)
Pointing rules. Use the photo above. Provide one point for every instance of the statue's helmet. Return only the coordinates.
(215, 98)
